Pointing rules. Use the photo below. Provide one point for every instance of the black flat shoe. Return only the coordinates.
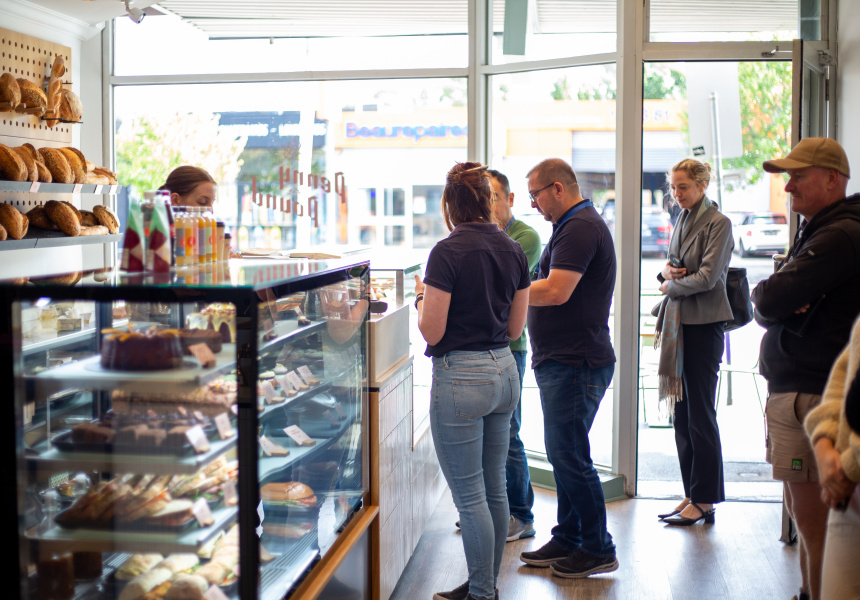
(708, 517)
(669, 514)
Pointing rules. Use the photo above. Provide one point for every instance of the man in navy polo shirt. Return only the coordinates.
(573, 362)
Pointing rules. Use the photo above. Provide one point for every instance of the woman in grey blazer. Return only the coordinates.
(690, 324)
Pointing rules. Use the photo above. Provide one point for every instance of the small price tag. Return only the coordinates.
(299, 436)
(98, 189)
(78, 187)
(340, 412)
(269, 393)
(199, 415)
(203, 353)
(214, 593)
(235, 409)
(198, 439)
(285, 383)
(34, 187)
(307, 375)
(331, 417)
(271, 448)
(225, 429)
(231, 498)
(202, 512)
(296, 381)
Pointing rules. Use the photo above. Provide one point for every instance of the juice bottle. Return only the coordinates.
(192, 251)
(171, 222)
(180, 246)
(210, 234)
(200, 223)
(219, 241)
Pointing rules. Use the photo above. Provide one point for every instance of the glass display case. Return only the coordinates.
(167, 435)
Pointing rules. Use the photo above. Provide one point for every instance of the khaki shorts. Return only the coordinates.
(788, 448)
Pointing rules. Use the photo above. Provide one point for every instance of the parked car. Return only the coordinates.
(656, 231)
(761, 232)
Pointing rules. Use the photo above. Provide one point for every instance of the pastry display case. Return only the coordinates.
(175, 440)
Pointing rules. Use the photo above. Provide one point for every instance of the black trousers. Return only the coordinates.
(697, 435)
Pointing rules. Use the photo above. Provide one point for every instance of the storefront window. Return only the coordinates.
(569, 114)
(717, 21)
(349, 167)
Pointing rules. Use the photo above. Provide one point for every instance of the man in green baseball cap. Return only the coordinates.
(808, 307)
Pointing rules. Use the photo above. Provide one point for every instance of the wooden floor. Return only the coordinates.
(738, 557)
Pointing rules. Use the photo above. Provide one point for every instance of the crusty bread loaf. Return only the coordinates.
(13, 221)
(57, 164)
(64, 217)
(94, 230)
(88, 218)
(92, 178)
(29, 162)
(32, 96)
(39, 218)
(2, 233)
(44, 174)
(71, 108)
(11, 165)
(73, 207)
(32, 150)
(77, 163)
(107, 173)
(10, 92)
(106, 218)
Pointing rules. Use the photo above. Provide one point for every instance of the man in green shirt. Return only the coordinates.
(520, 494)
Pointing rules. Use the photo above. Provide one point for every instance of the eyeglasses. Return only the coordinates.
(533, 195)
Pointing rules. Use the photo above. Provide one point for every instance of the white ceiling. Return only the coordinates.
(91, 12)
(326, 18)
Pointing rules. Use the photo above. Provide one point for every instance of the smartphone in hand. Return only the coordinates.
(675, 262)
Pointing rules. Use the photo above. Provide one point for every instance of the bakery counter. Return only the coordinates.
(109, 540)
(115, 458)
(106, 462)
(90, 374)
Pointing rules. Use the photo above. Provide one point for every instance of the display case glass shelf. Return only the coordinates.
(216, 416)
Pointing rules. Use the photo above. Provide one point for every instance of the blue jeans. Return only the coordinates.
(570, 397)
(473, 395)
(521, 496)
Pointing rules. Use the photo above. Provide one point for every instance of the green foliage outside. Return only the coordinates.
(765, 98)
(149, 147)
(765, 90)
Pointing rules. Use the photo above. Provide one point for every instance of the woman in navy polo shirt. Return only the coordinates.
(473, 300)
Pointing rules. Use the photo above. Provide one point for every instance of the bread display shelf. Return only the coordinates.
(288, 403)
(55, 239)
(93, 540)
(59, 188)
(270, 466)
(289, 330)
(88, 373)
(155, 464)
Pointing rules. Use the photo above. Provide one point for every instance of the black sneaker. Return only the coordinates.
(545, 555)
(578, 564)
(459, 593)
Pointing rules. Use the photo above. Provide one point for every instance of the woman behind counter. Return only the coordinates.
(474, 297)
(190, 186)
(690, 334)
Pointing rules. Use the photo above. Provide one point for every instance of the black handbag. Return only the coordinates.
(738, 291)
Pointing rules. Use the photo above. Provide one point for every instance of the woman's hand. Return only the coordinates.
(670, 272)
(835, 485)
(419, 285)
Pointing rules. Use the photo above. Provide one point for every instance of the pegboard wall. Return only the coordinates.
(31, 58)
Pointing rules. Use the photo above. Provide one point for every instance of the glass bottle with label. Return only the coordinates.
(180, 246)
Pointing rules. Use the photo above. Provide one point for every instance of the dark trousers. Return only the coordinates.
(521, 496)
(570, 397)
(697, 435)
